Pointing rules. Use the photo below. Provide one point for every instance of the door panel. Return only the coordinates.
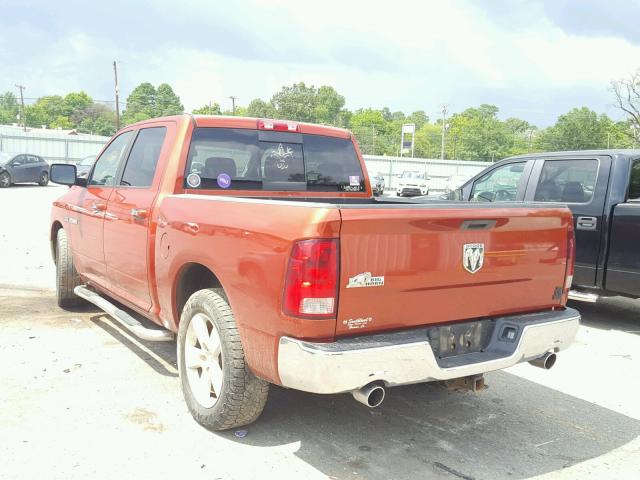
(34, 168)
(90, 210)
(19, 173)
(623, 266)
(126, 228)
(581, 184)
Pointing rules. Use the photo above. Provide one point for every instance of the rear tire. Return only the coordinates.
(44, 179)
(218, 387)
(66, 276)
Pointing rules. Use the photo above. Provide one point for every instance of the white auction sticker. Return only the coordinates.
(193, 180)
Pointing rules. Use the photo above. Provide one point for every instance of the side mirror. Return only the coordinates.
(64, 174)
(15, 164)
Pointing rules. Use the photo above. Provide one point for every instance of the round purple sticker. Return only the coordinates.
(224, 180)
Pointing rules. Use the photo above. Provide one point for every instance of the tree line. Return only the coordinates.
(476, 133)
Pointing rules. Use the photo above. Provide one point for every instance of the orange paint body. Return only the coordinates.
(246, 242)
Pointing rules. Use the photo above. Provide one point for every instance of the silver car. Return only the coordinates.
(23, 168)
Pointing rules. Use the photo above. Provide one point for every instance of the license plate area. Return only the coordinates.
(451, 340)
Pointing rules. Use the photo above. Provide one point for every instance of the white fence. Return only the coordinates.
(52, 145)
(60, 146)
(439, 171)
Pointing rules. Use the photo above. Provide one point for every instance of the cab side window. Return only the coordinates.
(567, 181)
(141, 165)
(634, 184)
(498, 185)
(104, 171)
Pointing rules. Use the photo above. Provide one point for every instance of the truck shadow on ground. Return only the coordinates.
(513, 430)
(615, 313)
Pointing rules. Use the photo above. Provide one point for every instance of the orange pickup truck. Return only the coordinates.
(259, 243)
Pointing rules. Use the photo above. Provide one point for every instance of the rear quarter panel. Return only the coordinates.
(246, 244)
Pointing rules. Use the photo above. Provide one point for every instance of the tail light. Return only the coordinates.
(311, 286)
(571, 257)
(277, 125)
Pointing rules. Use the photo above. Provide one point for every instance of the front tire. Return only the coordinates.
(66, 276)
(5, 180)
(218, 387)
(44, 179)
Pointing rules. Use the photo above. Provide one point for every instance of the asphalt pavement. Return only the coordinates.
(82, 398)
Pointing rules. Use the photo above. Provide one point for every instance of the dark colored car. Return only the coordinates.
(83, 167)
(23, 168)
(377, 184)
(602, 189)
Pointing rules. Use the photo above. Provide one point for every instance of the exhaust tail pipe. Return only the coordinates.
(370, 395)
(546, 361)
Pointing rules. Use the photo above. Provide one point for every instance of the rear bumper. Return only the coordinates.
(406, 357)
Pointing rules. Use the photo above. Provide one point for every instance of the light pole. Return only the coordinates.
(22, 88)
(233, 103)
(444, 127)
(117, 87)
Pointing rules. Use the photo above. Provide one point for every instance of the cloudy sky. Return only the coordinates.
(534, 59)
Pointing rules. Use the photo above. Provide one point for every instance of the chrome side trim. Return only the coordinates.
(126, 320)
(335, 367)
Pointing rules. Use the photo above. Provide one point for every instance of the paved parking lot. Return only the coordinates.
(81, 398)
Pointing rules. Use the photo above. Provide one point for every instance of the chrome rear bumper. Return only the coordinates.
(406, 357)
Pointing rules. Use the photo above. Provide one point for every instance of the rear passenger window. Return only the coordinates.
(634, 184)
(567, 181)
(143, 159)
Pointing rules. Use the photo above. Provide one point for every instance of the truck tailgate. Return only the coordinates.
(402, 266)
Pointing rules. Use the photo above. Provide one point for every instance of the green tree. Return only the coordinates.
(141, 104)
(76, 102)
(578, 129)
(261, 109)
(208, 110)
(167, 102)
(296, 102)
(9, 108)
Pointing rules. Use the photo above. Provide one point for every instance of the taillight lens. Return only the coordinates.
(311, 286)
(571, 257)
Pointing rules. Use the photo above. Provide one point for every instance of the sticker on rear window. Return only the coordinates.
(193, 180)
(354, 180)
(224, 180)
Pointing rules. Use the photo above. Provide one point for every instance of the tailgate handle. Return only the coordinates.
(587, 223)
(478, 224)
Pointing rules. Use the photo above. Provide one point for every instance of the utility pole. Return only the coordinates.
(22, 116)
(444, 127)
(115, 76)
(233, 103)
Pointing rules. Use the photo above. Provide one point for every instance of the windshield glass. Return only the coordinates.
(242, 159)
(417, 175)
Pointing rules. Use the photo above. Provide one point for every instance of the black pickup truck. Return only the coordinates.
(602, 189)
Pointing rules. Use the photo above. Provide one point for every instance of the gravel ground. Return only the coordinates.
(82, 398)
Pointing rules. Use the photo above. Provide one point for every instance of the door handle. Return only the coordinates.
(99, 207)
(587, 223)
(139, 213)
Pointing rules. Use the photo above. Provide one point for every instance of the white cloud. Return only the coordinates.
(410, 55)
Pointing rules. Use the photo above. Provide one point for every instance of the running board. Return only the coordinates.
(583, 296)
(126, 320)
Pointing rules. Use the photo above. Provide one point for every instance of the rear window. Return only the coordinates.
(241, 159)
